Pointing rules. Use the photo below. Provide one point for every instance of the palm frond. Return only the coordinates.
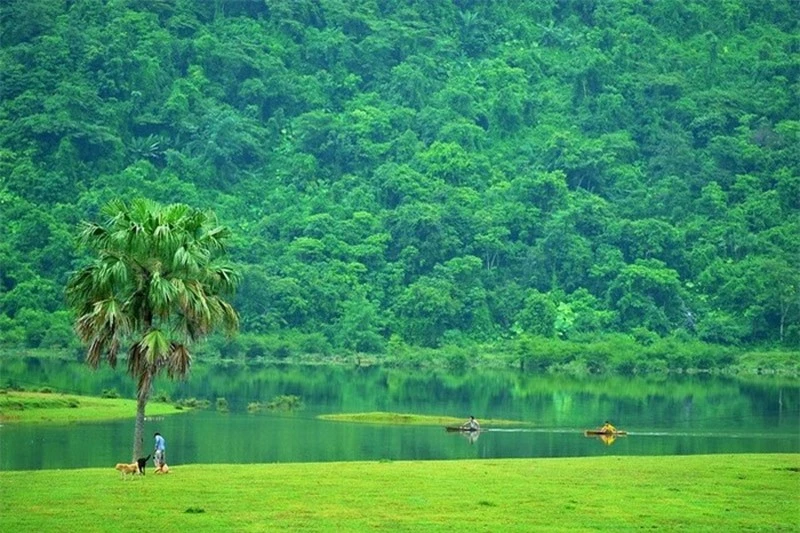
(223, 279)
(156, 347)
(179, 361)
(214, 238)
(137, 361)
(83, 288)
(156, 271)
(197, 309)
(114, 209)
(93, 235)
(85, 327)
(161, 295)
(95, 352)
(113, 350)
(184, 261)
(229, 316)
(117, 270)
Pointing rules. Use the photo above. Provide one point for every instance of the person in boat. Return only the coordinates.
(608, 428)
(471, 424)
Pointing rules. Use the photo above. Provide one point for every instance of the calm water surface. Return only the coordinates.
(673, 415)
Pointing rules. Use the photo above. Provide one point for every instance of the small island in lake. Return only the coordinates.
(380, 417)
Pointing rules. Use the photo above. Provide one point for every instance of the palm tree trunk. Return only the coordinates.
(138, 432)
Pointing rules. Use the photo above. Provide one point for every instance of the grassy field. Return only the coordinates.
(688, 493)
(33, 407)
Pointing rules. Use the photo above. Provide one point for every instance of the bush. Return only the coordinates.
(418, 358)
(722, 328)
(651, 366)
(396, 347)
(537, 360)
(624, 364)
(283, 351)
(542, 353)
(595, 362)
(60, 333)
(222, 405)
(192, 403)
(456, 358)
(231, 349)
(254, 346)
(286, 402)
(315, 343)
(35, 324)
(644, 336)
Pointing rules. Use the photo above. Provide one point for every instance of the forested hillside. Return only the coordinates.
(420, 172)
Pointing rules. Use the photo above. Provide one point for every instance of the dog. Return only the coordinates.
(163, 469)
(141, 462)
(124, 469)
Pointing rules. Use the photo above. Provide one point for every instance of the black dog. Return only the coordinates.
(142, 462)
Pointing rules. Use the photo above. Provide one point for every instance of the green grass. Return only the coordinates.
(688, 493)
(37, 407)
(416, 420)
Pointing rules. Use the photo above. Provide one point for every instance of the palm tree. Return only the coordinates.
(156, 285)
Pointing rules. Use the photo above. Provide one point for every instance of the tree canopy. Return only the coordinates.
(156, 285)
(421, 173)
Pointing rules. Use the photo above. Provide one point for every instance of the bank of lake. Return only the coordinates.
(57, 408)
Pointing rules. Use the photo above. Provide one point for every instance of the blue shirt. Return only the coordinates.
(160, 444)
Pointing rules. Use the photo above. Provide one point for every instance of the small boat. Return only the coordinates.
(592, 432)
(459, 428)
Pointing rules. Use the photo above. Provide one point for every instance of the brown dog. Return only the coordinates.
(163, 469)
(124, 469)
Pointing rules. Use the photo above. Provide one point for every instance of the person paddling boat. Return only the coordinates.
(608, 428)
(471, 425)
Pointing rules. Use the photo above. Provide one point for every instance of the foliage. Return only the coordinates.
(282, 402)
(399, 175)
(192, 403)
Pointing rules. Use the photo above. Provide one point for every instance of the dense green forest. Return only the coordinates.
(421, 174)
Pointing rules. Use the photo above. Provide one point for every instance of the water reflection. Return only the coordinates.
(664, 416)
(470, 436)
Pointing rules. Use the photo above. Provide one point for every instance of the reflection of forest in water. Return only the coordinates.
(683, 402)
(665, 415)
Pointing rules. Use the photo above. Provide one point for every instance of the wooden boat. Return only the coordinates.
(593, 432)
(459, 428)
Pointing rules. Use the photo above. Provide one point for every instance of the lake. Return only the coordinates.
(664, 415)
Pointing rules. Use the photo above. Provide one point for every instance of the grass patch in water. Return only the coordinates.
(379, 417)
(732, 492)
(51, 407)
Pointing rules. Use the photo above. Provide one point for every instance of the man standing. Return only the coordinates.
(159, 453)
